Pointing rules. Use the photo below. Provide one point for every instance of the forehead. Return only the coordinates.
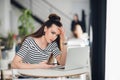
(55, 28)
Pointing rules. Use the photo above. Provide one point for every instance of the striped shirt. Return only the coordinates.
(31, 53)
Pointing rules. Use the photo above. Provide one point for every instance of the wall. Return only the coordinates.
(113, 40)
(4, 17)
(15, 13)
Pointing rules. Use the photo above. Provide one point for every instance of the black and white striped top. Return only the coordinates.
(31, 53)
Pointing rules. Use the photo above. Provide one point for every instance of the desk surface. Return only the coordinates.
(51, 72)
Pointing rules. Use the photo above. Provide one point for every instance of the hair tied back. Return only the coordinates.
(54, 17)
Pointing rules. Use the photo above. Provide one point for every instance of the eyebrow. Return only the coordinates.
(54, 32)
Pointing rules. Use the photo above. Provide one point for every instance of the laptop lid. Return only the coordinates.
(77, 57)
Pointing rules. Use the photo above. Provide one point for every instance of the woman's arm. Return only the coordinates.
(62, 57)
(18, 64)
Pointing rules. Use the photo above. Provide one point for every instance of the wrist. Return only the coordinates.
(64, 43)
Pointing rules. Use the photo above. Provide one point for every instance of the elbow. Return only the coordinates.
(15, 65)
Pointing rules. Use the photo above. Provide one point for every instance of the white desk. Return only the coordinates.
(50, 73)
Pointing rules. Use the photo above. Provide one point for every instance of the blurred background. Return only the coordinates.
(22, 17)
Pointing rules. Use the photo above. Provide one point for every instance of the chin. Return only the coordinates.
(48, 41)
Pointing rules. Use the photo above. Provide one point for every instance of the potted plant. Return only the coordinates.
(26, 23)
(10, 40)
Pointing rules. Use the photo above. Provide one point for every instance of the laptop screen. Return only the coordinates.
(77, 57)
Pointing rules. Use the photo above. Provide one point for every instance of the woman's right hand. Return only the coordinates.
(45, 65)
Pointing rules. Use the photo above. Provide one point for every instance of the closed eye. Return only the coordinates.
(53, 32)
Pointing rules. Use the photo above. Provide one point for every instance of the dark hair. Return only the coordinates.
(53, 19)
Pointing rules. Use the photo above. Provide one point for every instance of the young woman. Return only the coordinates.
(37, 48)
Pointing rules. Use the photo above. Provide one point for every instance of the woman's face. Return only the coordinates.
(51, 33)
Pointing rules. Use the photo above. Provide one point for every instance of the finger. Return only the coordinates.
(61, 30)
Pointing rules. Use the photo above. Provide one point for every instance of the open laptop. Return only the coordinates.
(77, 57)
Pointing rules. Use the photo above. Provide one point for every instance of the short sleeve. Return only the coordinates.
(24, 49)
(56, 51)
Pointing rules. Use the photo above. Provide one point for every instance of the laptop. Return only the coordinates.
(77, 57)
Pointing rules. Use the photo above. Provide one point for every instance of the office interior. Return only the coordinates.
(40, 9)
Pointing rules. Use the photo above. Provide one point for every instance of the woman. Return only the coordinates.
(79, 37)
(74, 22)
(38, 47)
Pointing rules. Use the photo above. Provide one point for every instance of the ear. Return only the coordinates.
(45, 29)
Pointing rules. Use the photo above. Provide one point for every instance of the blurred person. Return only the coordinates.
(76, 21)
(37, 48)
(79, 37)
